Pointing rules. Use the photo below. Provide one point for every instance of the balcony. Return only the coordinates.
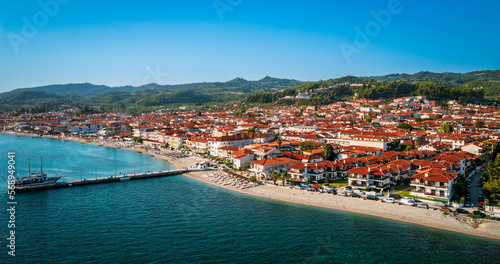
(358, 184)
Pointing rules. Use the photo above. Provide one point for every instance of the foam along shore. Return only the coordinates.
(414, 215)
(425, 217)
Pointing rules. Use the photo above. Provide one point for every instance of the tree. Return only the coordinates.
(274, 176)
(418, 142)
(327, 152)
(446, 128)
(251, 131)
(283, 176)
(307, 145)
(409, 147)
(492, 186)
(253, 178)
(259, 133)
(405, 126)
(137, 139)
(246, 167)
(368, 120)
(479, 123)
(278, 141)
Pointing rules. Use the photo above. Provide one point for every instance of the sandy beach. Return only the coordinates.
(426, 217)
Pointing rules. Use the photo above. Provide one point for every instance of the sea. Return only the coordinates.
(178, 219)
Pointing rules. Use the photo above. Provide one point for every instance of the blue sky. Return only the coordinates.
(169, 42)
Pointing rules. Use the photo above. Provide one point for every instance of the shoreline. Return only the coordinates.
(424, 217)
(269, 194)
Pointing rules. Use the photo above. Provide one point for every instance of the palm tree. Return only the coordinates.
(283, 176)
(274, 176)
(278, 140)
(253, 179)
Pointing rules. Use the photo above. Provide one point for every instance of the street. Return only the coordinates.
(472, 189)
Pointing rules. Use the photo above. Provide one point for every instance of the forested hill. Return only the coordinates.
(476, 87)
(237, 85)
(473, 87)
(145, 97)
(487, 80)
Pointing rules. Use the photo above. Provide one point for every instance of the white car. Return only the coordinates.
(407, 202)
(389, 200)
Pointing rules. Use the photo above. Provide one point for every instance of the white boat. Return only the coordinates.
(125, 178)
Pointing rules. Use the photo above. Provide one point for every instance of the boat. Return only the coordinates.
(35, 178)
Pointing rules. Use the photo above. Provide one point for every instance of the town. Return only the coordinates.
(410, 145)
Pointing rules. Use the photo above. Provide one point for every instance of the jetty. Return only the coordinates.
(90, 181)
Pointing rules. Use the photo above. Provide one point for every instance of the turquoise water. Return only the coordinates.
(181, 220)
(68, 158)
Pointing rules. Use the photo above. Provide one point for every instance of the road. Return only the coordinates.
(473, 190)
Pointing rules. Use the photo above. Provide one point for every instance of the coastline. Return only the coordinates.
(424, 217)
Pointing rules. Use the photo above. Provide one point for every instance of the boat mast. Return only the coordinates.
(41, 165)
(29, 170)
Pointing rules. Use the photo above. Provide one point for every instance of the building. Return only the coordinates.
(433, 183)
(262, 168)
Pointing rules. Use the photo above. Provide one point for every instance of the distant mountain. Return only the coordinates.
(237, 85)
(472, 87)
(149, 95)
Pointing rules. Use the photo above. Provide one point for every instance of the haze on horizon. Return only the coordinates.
(170, 42)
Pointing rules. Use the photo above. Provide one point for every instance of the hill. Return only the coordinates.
(472, 87)
(478, 87)
(150, 95)
(237, 85)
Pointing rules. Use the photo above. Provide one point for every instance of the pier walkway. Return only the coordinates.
(118, 178)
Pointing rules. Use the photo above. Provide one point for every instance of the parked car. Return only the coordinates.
(408, 198)
(395, 196)
(342, 194)
(372, 197)
(423, 205)
(407, 202)
(444, 209)
(462, 211)
(479, 213)
(355, 195)
(389, 200)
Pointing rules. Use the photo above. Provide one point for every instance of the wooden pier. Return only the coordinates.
(119, 178)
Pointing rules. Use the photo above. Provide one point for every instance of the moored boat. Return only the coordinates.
(35, 178)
